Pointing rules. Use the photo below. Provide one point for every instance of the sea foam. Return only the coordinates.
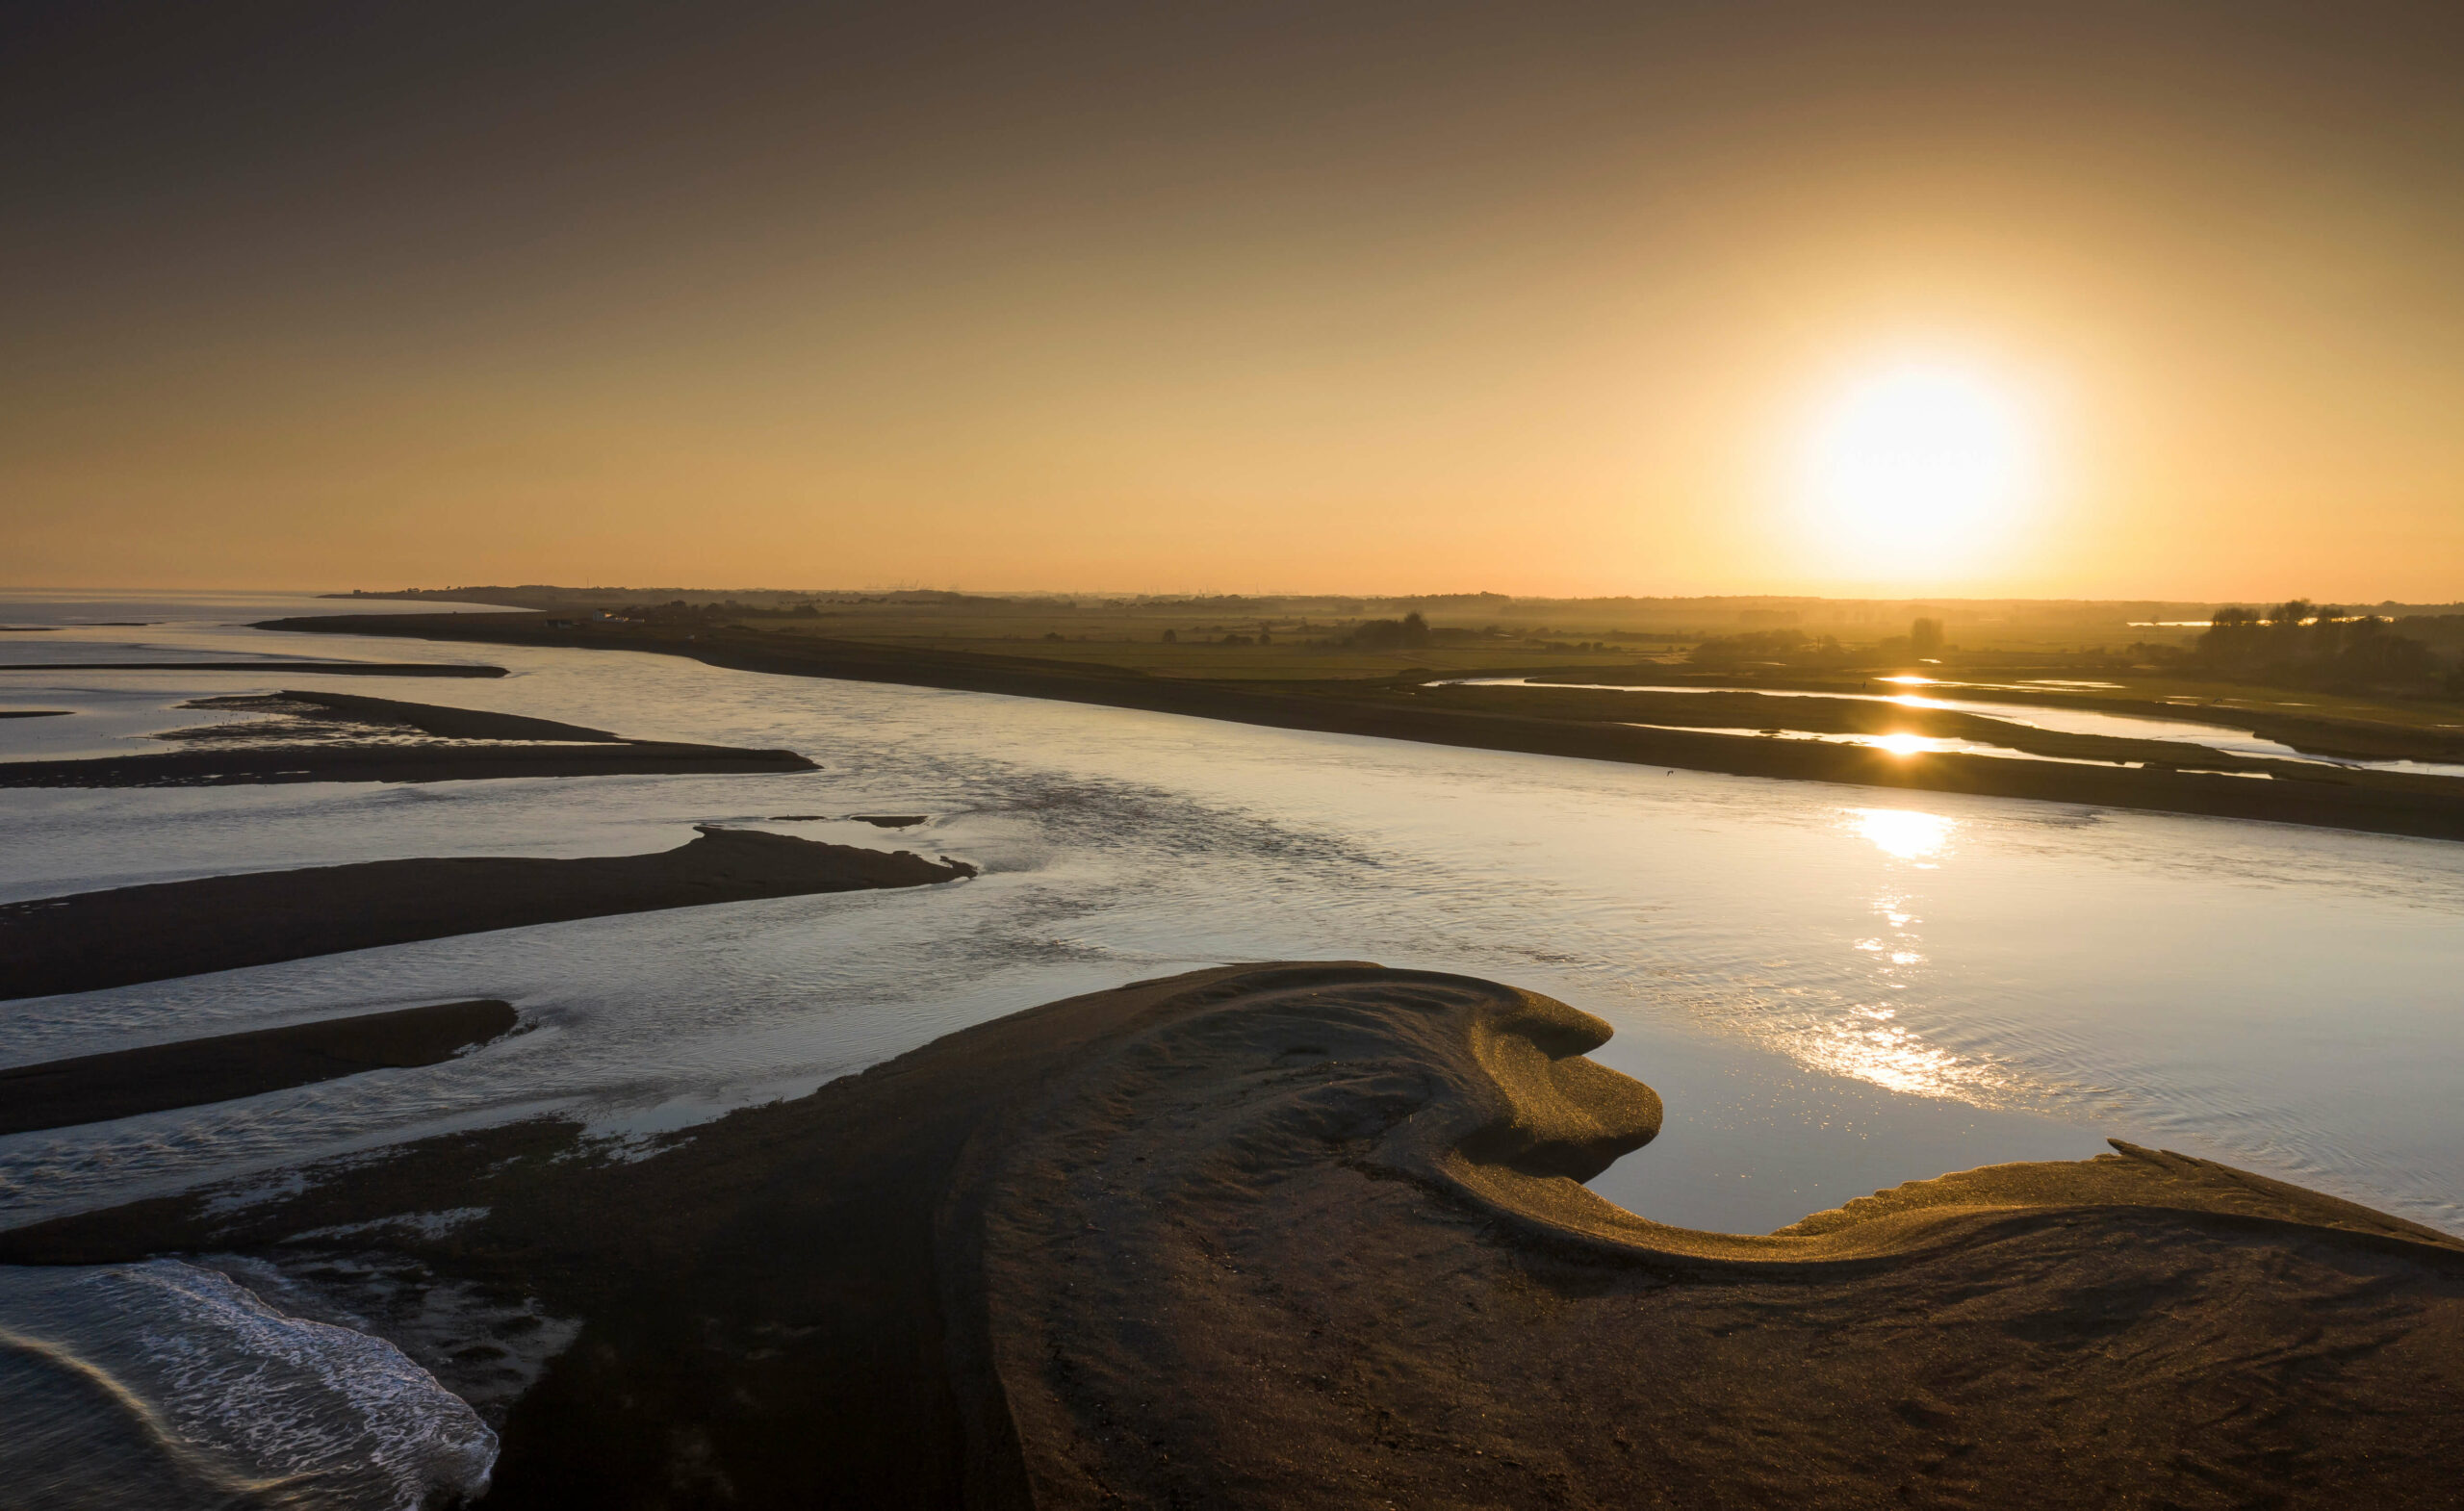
(165, 1385)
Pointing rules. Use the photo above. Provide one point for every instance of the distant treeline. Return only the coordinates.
(2299, 642)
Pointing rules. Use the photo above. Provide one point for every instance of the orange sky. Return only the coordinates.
(1345, 297)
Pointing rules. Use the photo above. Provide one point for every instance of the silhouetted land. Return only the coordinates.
(190, 1072)
(1405, 708)
(1309, 1236)
(89, 940)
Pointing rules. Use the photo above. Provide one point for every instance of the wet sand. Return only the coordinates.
(91, 1088)
(90, 940)
(1310, 1235)
(317, 668)
(504, 745)
(451, 724)
(2374, 802)
(227, 768)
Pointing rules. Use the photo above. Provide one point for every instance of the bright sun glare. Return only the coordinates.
(1918, 467)
(1901, 832)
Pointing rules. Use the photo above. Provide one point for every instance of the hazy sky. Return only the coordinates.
(1414, 297)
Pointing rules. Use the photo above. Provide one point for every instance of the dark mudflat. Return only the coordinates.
(2429, 808)
(522, 747)
(132, 933)
(125, 1083)
(320, 668)
(452, 724)
(1308, 1236)
(248, 767)
(32, 713)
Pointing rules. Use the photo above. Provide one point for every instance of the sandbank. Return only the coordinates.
(191, 1072)
(89, 941)
(1311, 1235)
(460, 745)
(318, 668)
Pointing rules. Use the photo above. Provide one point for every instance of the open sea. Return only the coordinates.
(1833, 990)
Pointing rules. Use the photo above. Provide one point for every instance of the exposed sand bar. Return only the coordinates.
(394, 763)
(2333, 798)
(93, 1088)
(90, 940)
(1309, 1235)
(319, 668)
(454, 723)
(520, 747)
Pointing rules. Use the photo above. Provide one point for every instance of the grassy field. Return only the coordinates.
(1295, 650)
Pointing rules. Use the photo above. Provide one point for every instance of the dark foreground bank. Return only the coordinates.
(90, 940)
(1310, 1236)
(2325, 797)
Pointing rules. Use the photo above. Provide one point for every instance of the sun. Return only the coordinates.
(1915, 468)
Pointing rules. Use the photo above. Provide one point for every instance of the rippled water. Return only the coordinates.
(1896, 744)
(1828, 1006)
(163, 1387)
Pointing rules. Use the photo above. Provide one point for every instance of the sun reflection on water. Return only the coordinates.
(1902, 833)
(1870, 1047)
(1871, 1041)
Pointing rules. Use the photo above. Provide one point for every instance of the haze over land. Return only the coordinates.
(1377, 298)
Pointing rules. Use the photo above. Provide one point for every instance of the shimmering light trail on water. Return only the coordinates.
(1835, 988)
(1894, 744)
(2061, 721)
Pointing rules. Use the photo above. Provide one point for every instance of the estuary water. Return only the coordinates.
(1834, 990)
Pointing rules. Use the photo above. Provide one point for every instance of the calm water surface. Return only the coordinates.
(1835, 988)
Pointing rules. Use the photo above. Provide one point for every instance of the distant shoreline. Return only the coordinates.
(2333, 799)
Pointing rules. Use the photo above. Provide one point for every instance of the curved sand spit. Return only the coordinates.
(1312, 1236)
